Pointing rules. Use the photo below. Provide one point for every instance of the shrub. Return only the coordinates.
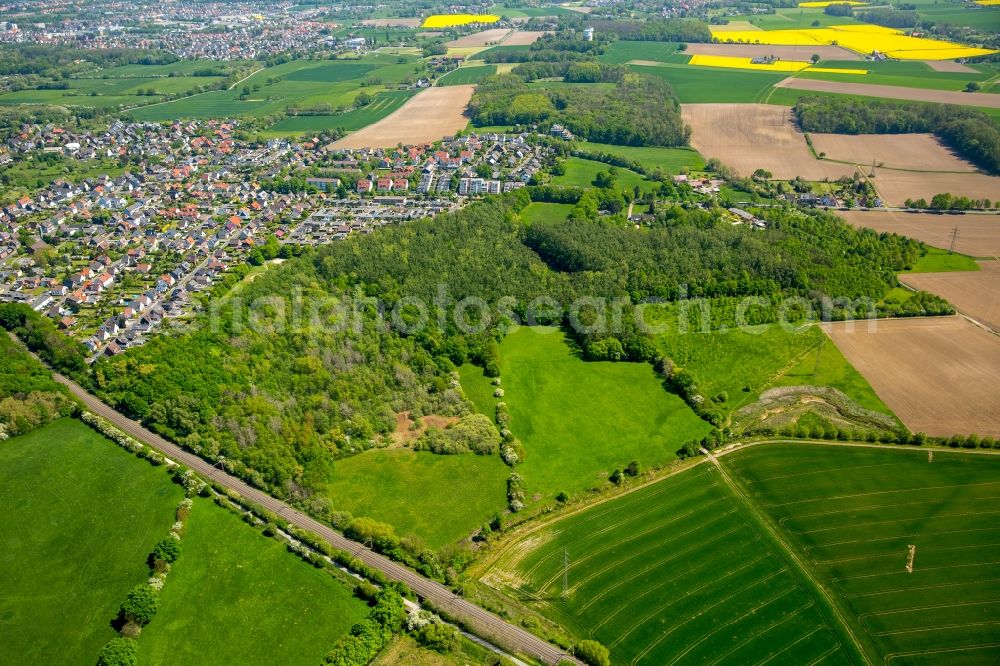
(592, 653)
(167, 549)
(367, 530)
(119, 652)
(439, 637)
(140, 605)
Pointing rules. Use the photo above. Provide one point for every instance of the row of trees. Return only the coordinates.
(971, 133)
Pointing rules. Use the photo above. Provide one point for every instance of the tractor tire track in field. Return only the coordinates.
(857, 649)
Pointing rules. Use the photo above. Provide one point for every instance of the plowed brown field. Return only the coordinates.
(978, 235)
(427, 116)
(974, 293)
(939, 375)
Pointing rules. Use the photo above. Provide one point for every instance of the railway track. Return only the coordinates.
(481, 622)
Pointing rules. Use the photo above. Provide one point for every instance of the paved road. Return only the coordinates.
(484, 623)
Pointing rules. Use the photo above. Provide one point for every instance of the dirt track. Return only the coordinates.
(988, 100)
(800, 53)
(427, 116)
(747, 137)
(978, 235)
(922, 152)
(939, 375)
(973, 293)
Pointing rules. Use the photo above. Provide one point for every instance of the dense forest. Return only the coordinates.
(638, 111)
(972, 134)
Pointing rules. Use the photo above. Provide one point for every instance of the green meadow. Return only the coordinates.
(78, 515)
(238, 597)
(439, 499)
(670, 160)
(937, 260)
(581, 173)
(580, 420)
(537, 211)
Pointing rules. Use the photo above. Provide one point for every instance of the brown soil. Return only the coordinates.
(479, 38)
(973, 293)
(950, 66)
(405, 432)
(799, 53)
(922, 152)
(894, 92)
(978, 235)
(939, 375)
(747, 137)
(428, 116)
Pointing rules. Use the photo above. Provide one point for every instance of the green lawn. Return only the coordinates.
(671, 160)
(437, 498)
(694, 84)
(238, 597)
(852, 513)
(581, 173)
(466, 75)
(580, 420)
(673, 573)
(78, 516)
(938, 260)
(545, 212)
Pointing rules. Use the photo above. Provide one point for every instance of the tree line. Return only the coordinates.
(972, 134)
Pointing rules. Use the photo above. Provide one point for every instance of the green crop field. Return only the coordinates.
(481, 55)
(984, 18)
(853, 512)
(581, 173)
(794, 17)
(304, 83)
(78, 516)
(238, 597)
(383, 104)
(893, 73)
(694, 84)
(580, 420)
(622, 52)
(673, 573)
(671, 160)
(413, 491)
(467, 75)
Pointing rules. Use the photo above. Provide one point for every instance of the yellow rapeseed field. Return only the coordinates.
(452, 20)
(862, 38)
(988, 3)
(734, 62)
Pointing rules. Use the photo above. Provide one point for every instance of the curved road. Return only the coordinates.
(482, 622)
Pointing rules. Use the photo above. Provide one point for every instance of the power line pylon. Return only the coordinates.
(954, 237)
(565, 576)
